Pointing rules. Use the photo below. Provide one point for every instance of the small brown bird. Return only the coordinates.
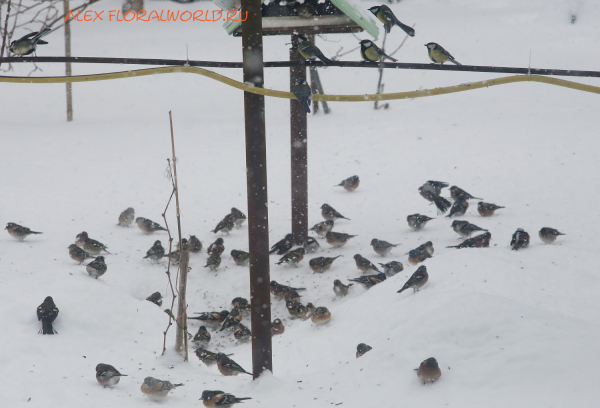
(207, 357)
(90, 245)
(195, 244)
(338, 239)
(157, 389)
(242, 333)
(202, 338)
(155, 253)
(237, 217)
(431, 191)
(417, 256)
(211, 319)
(368, 281)
(155, 298)
(321, 315)
(322, 228)
(126, 217)
(277, 327)
(309, 311)
(363, 264)
(47, 313)
(148, 226)
(232, 320)
(427, 247)
(19, 232)
(382, 247)
(520, 239)
(292, 295)
(417, 280)
(293, 257)
(279, 290)
(295, 308)
(547, 235)
(429, 371)
(339, 288)
(241, 304)
(77, 254)
(459, 194)
(220, 399)
(329, 213)
(225, 225)
(229, 367)
(311, 245)
(96, 268)
(465, 228)
(107, 375)
(321, 264)
(350, 184)
(284, 245)
(480, 241)
(417, 221)
(361, 349)
(486, 209)
(216, 247)
(240, 257)
(458, 208)
(213, 262)
(392, 268)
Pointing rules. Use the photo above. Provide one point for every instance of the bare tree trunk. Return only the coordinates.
(133, 5)
(68, 64)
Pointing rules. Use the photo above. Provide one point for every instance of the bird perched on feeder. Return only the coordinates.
(19, 232)
(211, 319)
(148, 226)
(370, 52)
(219, 399)
(232, 320)
(329, 213)
(520, 239)
(310, 51)
(458, 208)
(279, 290)
(202, 338)
(350, 184)
(465, 228)
(303, 93)
(368, 281)
(107, 375)
(90, 245)
(340, 289)
(240, 257)
(487, 209)
(392, 268)
(225, 225)
(427, 247)
(47, 313)
(417, 221)
(126, 217)
(77, 254)
(429, 371)
(417, 280)
(438, 55)
(284, 245)
(338, 239)
(321, 264)
(237, 217)
(382, 247)
(415, 256)
(429, 192)
(155, 298)
(311, 245)
(229, 367)
(277, 327)
(157, 389)
(387, 17)
(549, 235)
(216, 248)
(213, 262)
(363, 264)
(459, 194)
(194, 244)
(155, 253)
(361, 349)
(28, 43)
(293, 257)
(322, 228)
(96, 268)
(242, 333)
(480, 241)
(321, 315)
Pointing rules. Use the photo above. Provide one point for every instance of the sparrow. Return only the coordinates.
(520, 239)
(277, 327)
(465, 228)
(480, 241)
(427, 247)
(337, 239)
(232, 320)
(202, 338)
(417, 280)
(281, 247)
(415, 256)
(417, 221)
(310, 51)
(321, 315)
(370, 52)
(548, 235)
(293, 257)
(387, 17)
(225, 225)
(155, 298)
(295, 308)
(279, 290)
(428, 192)
(229, 367)
(28, 43)
(157, 389)
(392, 268)
(242, 333)
(77, 254)
(361, 349)
(458, 208)
(429, 371)
(350, 184)
(216, 248)
(459, 194)
(321, 264)
(339, 288)
(126, 217)
(303, 93)
(107, 375)
(241, 304)
(487, 209)
(382, 247)
(322, 228)
(96, 268)
(309, 311)
(368, 281)
(364, 264)
(213, 262)
(219, 399)
(148, 226)
(237, 217)
(47, 313)
(438, 55)
(211, 319)
(311, 245)
(90, 245)
(19, 232)
(194, 244)
(156, 252)
(207, 357)
(329, 213)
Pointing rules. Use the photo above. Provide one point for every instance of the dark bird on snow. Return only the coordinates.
(350, 184)
(549, 235)
(47, 313)
(479, 241)
(487, 209)
(520, 239)
(19, 232)
(284, 245)
(417, 280)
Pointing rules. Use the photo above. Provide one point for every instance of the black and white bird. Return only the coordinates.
(47, 313)
(107, 375)
(157, 251)
(28, 43)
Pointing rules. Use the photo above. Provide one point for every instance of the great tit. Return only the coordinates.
(387, 17)
(372, 53)
(310, 51)
(303, 93)
(439, 55)
(28, 43)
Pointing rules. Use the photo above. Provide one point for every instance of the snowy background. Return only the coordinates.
(508, 328)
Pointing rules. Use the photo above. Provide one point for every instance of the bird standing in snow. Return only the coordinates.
(382, 247)
(350, 184)
(202, 337)
(339, 288)
(126, 217)
(19, 232)
(368, 281)
(220, 399)
(107, 375)
(363, 264)
(387, 17)
(329, 213)
(431, 192)
(293, 257)
(237, 217)
(213, 262)
(284, 245)
(458, 208)
(311, 245)
(277, 327)
(225, 225)
(229, 367)
(321, 315)
(195, 244)
(240, 257)
(361, 349)
(392, 268)
(155, 298)
(416, 256)
(91, 245)
(417, 280)
(322, 228)
(549, 235)
(321, 264)
(338, 239)
(211, 319)
(96, 268)
(417, 221)
(429, 371)
(520, 239)
(465, 228)
(480, 241)
(487, 209)
(77, 254)
(459, 194)
(216, 248)
(148, 226)
(155, 253)
(157, 389)
(47, 313)
(280, 291)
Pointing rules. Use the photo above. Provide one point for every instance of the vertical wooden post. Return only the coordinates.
(298, 134)
(68, 64)
(256, 176)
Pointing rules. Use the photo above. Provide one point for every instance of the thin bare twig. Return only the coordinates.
(5, 29)
(171, 317)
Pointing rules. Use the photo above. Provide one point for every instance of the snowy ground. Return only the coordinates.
(517, 329)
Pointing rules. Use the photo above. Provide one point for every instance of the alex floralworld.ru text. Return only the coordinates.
(163, 15)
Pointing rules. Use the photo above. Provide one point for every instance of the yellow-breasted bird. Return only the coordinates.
(370, 52)
(310, 51)
(439, 55)
(387, 17)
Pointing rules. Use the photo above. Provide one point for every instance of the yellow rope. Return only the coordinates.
(289, 95)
